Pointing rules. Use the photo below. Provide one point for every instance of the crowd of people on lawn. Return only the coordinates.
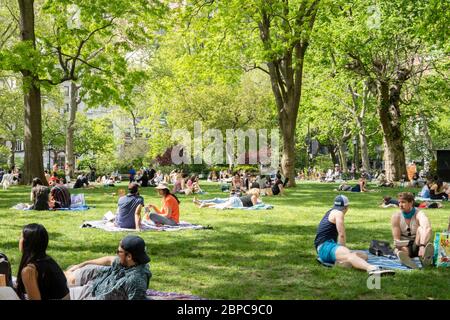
(126, 275)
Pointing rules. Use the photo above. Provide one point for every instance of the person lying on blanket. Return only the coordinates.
(249, 200)
(360, 187)
(122, 277)
(412, 225)
(389, 202)
(129, 209)
(331, 239)
(170, 210)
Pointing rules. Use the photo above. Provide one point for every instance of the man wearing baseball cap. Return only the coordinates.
(122, 277)
(331, 238)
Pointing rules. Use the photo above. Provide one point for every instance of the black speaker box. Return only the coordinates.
(443, 164)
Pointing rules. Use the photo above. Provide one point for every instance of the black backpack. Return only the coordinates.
(5, 268)
(381, 248)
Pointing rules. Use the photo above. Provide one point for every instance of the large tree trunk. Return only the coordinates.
(331, 150)
(287, 125)
(342, 156)
(12, 154)
(70, 156)
(286, 70)
(33, 163)
(364, 150)
(429, 142)
(389, 112)
(361, 129)
(356, 153)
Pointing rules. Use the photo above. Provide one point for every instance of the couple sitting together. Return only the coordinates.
(411, 231)
(130, 206)
(44, 198)
(125, 276)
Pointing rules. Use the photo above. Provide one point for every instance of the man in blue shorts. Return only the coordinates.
(330, 241)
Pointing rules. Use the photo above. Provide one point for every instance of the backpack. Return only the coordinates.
(5, 268)
(381, 248)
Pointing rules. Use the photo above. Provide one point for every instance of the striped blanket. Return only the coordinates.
(382, 262)
(146, 226)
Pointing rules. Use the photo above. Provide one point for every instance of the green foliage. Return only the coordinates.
(4, 154)
(93, 137)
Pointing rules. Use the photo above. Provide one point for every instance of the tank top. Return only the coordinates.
(52, 282)
(246, 201)
(326, 230)
(412, 227)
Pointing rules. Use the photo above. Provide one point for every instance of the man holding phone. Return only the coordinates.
(411, 230)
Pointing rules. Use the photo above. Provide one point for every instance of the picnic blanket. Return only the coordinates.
(382, 262)
(80, 208)
(259, 206)
(78, 203)
(146, 226)
(159, 295)
(25, 207)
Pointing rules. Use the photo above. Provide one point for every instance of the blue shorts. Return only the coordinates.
(327, 251)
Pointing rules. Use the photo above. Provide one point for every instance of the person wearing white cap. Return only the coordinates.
(331, 239)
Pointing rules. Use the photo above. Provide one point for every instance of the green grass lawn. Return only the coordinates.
(248, 255)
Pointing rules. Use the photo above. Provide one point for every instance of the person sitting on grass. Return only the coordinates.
(277, 188)
(144, 179)
(122, 277)
(425, 192)
(194, 184)
(39, 277)
(170, 210)
(383, 181)
(331, 238)
(129, 209)
(438, 190)
(412, 225)
(60, 196)
(249, 200)
(39, 195)
(81, 181)
(53, 179)
(237, 182)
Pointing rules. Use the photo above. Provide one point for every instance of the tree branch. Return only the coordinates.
(82, 43)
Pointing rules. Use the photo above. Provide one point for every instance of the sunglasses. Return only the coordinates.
(118, 252)
(409, 232)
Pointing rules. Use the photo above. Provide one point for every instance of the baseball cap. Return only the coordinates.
(340, 202)
(136, 246)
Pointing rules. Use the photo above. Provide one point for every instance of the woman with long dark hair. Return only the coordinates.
(39, 276)
(170, 210)
(39, 195)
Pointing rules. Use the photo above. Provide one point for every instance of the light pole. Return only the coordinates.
(355, 152)
(49, 147)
